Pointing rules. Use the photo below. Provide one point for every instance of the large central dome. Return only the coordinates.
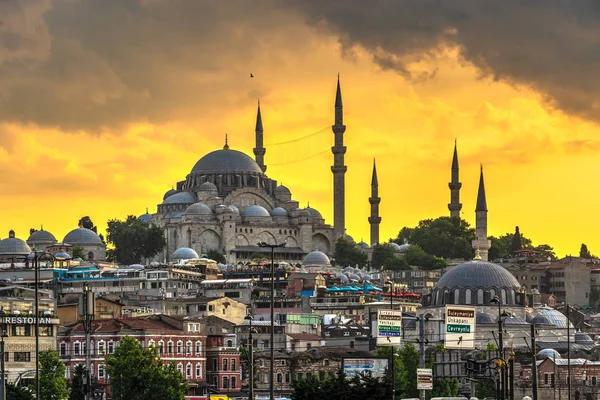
(478, 274)
(226, 160)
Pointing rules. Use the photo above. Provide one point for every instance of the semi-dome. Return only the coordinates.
(581, 337)
(185, 253)
(484, 318)
(478, 274)
(41, 236)
(207, 186)
(282, 190)
(279, 212)
(255, 211)
(305, 213)
(82, 236)
(540, 320)
(226, 160)
(198, 209)
(549, 353)
(235, 209)
(314, 213)
(169, 193)
(145, 218)
(556, 317)
(316, 258)
(13, 245)
(180, 198)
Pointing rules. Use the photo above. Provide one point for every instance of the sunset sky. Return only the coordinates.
(104, 105)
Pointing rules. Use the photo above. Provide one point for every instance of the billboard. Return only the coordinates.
(460, 327)
(364, 366)
(389, 327)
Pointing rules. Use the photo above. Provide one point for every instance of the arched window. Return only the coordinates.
(198, 348)
(225, 382)
(456, 296)
(467, 296)
(179, 347)
(503, 296)
(188, 347)
(180, 368)
(479, 296)
(492, 293)
(151, 343)
(437, 298)
(512, 297)
(170, 347)
(199, 370)
(230, 343)
(188, 370)
(161, 347)
(233, 382)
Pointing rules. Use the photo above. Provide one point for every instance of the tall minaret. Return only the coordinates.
(455, 206)
(259, 150)
(374, 219)
(338, 168)
(481, 243)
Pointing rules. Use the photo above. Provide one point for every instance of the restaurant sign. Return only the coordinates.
(28, 320)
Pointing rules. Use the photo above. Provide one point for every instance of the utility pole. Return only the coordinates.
(86, 311)
(568, 351)
(422, 347)
(393, 374)
(533, 364)
(3, 396)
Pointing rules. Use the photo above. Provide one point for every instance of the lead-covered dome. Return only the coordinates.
(279, 212)
(13, 245)
(185, 253)
(41, 236)
(180, 198)
(207, 187)
(198, 209)
(224, 161)
(82, 236)
(316, 258)
(478, 274)
(255, 211)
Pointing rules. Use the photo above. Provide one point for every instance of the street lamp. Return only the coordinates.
(392, 374)
(501, 317)
(2, 336)
(251, 357)
(272, 369)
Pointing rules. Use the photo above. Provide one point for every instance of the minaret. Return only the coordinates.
(338, 168)
(374, 219)
(259, 150)
(481, 243)
(455, 206)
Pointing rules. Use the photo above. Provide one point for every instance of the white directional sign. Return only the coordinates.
(424, 379)
(389, 327)
(460, 327)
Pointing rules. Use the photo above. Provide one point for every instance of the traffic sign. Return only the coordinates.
(389, 327)
(460, 327)
(424, 379)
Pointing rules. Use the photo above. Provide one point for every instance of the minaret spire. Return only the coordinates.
(455, 206)
(259, 150)
(374, 200)
(339, 168)
(481, 243)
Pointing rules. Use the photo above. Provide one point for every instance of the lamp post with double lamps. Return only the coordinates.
(501, 355)
(251, 357)
(272, 357)
(2, 367)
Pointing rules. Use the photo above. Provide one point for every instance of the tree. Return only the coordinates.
(134, 240)
(485, 388)
(79, 253)
(53, 384)
(584, 252)
(15, 392)
(443, 237)
(138, 373)
(381, 252)
(339, 387)
(410, 360)
(515, 243)
(395, 264)
(86, 222)
(217, 256)
(77, 383)
(347, 254)
(502, 246)
(416, 256)
(445, 388)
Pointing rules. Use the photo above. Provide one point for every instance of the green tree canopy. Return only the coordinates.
(515, 243)
(79, 253)
(53, 384)
(443, 237)
(133, 240)
(381, 253)
(347, 254)
(395, 264)
(77, 383)
(416, 256)
(584, 252)
(502, 246)
(15, 392)
(86, 222)
(217, 256)
(341, 388)
(138, 373)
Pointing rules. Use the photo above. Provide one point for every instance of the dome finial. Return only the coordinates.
(146, 210)
(226, 147)
(477, 254)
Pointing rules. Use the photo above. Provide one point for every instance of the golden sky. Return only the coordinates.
(105, 105)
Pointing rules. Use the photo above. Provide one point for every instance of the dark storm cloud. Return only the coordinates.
(89, 64)
(552, 46)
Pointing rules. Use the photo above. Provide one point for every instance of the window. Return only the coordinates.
(63, 349)
(101, 347)
(180, 368)
(22, 356)
(230, 343)
(45, 330)
(199, 370)
(279, 377)
(215, 364)
(308, 346)
(594, 381)
(188, 348)
(188, 370)
(468, 296)
(21, 330)
(198, 347)
(161, 347)
(151, 343)
(101, 372)
(233, 364)
(233, 382)
(179, 347)
(111, 347)
(287, 377)
(77, 348)
(170, 347)
(225, 382)
(224, 364)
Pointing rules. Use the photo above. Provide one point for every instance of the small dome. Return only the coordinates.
(394, 246)
(282, 190)
(540, 320)
(41, 236)
(136, 266)
(305, 213)
(207, 186)
(484, 318)
(185, 253)
(344, 279)
(14, 246)
(82, 236)
(235, 209)
(255, 211)
(581, 337)
(169, 193)
(367, 278)
(556, 317)
(62, 255)
(316, 258)
(347, 237)
(180, 198)
(279, 212)
(549, 353)
(198, 209)
(145, 218)
(314, 213)
(363, 245)
(404, 247)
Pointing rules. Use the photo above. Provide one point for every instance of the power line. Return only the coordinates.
(301, 159)
(298, 139)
